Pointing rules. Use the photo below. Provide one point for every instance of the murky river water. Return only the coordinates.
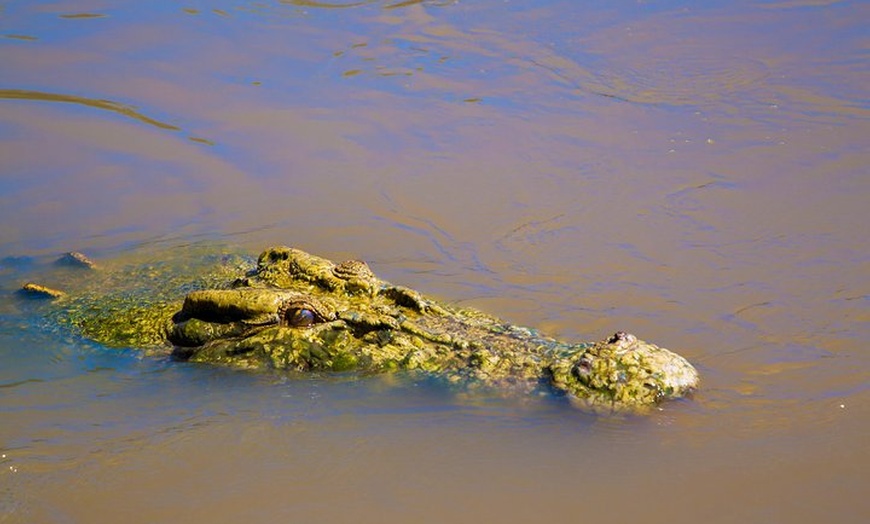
(696, 173)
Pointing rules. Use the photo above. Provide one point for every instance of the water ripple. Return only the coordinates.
(108, 105)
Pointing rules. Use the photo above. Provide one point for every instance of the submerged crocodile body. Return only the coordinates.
(297, 311)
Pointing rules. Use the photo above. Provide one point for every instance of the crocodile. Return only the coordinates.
(291, 310)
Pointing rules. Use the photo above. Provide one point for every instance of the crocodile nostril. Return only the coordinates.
(622, 340)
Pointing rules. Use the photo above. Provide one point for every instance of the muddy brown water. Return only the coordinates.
(695, 173)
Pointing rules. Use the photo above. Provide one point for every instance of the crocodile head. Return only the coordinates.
(299, 311)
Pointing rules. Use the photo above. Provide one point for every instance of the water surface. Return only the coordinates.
(694, 174)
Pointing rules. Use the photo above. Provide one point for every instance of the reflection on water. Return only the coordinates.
(695, 174)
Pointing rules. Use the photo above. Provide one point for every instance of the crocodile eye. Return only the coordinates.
(301, 318)
(299, 311)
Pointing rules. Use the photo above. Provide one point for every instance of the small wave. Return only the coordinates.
(108, 105)
(99, 103)
(687, 81)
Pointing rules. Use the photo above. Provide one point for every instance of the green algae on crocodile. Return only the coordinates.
(297, 311)
(303, 312)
